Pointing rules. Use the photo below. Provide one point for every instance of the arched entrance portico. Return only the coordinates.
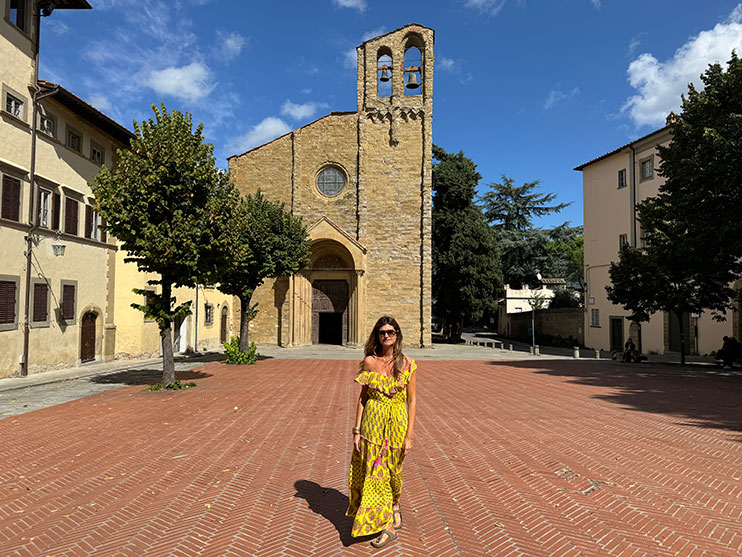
(334, 300)
(326, 300)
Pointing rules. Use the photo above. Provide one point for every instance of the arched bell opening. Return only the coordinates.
(384, 69)
(413, 66)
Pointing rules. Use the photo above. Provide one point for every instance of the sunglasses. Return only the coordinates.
(391, 334)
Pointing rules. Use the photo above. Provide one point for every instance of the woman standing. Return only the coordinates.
(382, 435)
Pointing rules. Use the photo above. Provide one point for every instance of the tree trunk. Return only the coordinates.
(682, 338)
(244, 323)
(168, 364)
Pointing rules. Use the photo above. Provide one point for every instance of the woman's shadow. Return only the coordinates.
(331, 504)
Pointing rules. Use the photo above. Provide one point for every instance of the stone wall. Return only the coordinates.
(383, 216)
(560, 322)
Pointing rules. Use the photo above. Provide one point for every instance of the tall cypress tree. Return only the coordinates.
(466, 259)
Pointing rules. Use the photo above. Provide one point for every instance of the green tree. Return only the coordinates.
(695, 232)
(667, 276)
(702, 165)
(466, 262)
(564, 253)
(266, 241)
(167, 204)
(510, 209)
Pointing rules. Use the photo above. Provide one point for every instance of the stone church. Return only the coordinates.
(361, 181)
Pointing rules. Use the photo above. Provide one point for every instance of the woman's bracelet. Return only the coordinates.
(356, 430)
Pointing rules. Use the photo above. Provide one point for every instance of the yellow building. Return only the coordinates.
(78, 303)
(613, 184)
(362, 183)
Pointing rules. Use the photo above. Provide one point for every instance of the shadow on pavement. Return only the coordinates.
(706, 397)
(331, 504)
(144, 377)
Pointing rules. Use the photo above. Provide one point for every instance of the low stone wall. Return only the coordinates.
(550, 324)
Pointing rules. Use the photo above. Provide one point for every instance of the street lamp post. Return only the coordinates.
(533, 316)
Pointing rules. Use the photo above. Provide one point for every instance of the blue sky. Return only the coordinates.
(525, 88)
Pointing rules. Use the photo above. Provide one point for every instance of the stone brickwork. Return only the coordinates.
(379, 226)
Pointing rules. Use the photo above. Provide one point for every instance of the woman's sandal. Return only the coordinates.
(396, 512)
(390, 537)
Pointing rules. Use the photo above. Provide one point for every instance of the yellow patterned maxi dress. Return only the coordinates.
(376, 472)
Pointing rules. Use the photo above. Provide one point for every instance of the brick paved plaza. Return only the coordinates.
(531, 458)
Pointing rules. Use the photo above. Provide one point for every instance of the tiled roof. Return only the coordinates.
(600, 158)
(80, 107)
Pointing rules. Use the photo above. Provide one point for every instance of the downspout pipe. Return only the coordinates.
(31, 194)
(632, 193)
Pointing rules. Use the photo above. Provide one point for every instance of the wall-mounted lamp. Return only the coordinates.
(57, 246)
(47, 8)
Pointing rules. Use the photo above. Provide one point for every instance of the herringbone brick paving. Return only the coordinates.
(533, 458)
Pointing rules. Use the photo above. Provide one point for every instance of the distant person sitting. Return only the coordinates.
(730, 351)
(629, 351)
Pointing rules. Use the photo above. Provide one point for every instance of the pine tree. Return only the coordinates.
(510, 210)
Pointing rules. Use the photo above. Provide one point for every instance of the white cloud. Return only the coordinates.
(597, 3)
(350, 58)
(101, 102)
(489, 7)
(230, 44)
(660, 84)
(301, 111)
(634, 45)
(359, 5)
(189, 83)
(446, 64)
(306, 91)
(557, 96)
(56, 26)
(270, 128)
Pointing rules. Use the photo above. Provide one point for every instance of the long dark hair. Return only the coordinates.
(373, 344)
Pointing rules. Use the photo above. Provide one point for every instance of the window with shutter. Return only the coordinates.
(103, 233)
(71, 210)
(68, 302)
(11, 199)
(88, 221)
(7, 301)
(56, 204)
(40, 302)
(42, 202)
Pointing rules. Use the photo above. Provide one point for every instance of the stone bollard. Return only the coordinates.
(576, 353)
(510, 347)
(530, 350)
(597, 354)
(537, 350)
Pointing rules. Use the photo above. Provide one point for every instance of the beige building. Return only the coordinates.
(78, 303)
(613, 184)
(519, 300)
(362, 183)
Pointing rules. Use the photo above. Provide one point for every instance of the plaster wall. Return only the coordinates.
(608, 213)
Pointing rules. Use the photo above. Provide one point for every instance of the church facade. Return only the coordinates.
(362, 183)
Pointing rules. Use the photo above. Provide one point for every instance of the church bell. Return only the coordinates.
(412, 82)
(384, 77)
